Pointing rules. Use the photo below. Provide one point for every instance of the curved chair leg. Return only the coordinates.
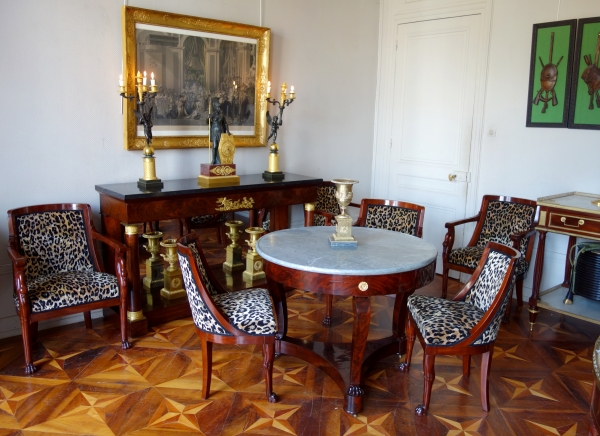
(486, 364)
(268, 357)
(328, 309)
(87, 317)
(206, 366)
(429, 377)
(125, 344)
(466, 365)
(410, 343)
(445, 272)
(26, 331)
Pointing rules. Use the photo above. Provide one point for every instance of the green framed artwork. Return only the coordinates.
(550, 73)
(585, 105)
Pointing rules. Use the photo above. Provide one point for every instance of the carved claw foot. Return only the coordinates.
(420, 410)
(273, 398)
(30, 368)
(327, 321)
(126, 345)
(355, 391)
(403, 367)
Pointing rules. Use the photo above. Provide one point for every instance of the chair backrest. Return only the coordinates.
(53, 238)
(198, 286)
(504, 216)
(392, 215)
(489, 286)
(326, 202)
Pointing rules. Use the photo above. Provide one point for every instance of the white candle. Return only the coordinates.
(292, 91)
(144, 79)
(120, 80)
(153, 82)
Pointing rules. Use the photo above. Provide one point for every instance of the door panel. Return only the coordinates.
(433, 102)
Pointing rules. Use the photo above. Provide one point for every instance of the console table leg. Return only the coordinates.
(537, 279)
(362, 318)
(138, 324)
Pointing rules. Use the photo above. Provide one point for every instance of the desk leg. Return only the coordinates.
(360, 332)
(138, 324)
(280, 218)
(537, 279)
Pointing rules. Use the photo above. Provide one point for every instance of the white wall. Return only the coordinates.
(60, 112)
(524, 161)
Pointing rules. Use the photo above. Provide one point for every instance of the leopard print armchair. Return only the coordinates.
(507, 220)
(467, 324)
(242, 317)
(326, 207)
(57, 271)
(397, 216)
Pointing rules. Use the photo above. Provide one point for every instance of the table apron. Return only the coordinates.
(358, 286)
(136, 211)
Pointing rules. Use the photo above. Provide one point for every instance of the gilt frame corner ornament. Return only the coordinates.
(584, 112)
(195, 61)
(548, 99)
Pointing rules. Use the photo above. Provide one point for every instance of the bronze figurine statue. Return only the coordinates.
(218, 125)
(145, 119)
(274, 122)
(548, 80)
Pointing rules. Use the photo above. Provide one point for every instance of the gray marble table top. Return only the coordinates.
(378, 252)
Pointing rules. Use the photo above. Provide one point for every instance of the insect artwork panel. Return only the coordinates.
(550, 74)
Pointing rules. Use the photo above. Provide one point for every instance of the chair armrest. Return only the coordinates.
(16, 258)
(328, 216)
(19, 263)
(518, 237)
(453, 224)
(119, 247)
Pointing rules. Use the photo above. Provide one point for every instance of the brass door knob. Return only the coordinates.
(451, 177)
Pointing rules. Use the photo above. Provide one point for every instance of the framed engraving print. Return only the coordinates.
(195, 62)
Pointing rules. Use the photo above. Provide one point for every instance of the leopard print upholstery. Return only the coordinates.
(67, 289)
(444, 322)
(250, 311)
(203, 219)
(54, 242)
(59, 269)
(203, 318)
(326, 202)
(502, 219)
(398, 219)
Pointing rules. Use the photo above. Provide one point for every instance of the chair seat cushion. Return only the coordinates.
(443, 322)
(67, 289)
(470, 256)
(250, 311)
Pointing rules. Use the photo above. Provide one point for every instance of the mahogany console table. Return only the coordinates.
(384, 263)
(123, 207)
(573, 214)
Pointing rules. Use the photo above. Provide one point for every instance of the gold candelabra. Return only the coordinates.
(233, 252)
(254, 262)
(273, 173)
(142, 94)
(173, 279)
(343, 228)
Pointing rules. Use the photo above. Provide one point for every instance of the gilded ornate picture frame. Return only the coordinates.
(195, 61)
(585, 102)
(550, 70)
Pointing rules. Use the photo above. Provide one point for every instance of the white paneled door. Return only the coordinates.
(435, 81)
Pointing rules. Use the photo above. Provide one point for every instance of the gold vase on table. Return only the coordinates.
(233, 252)
(343, 228)
(154, 264)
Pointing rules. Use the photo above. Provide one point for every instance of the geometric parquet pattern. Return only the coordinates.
(540, 383)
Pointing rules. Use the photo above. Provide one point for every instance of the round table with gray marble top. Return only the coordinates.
(383, 263)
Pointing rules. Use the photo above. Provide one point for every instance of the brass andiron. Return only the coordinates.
(343, 228)
(233, 252)
(154, 265)
(273, 173)
(173, 287)
(254, 263)
(142, 94)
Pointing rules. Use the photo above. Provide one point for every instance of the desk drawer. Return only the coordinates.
(573, 223)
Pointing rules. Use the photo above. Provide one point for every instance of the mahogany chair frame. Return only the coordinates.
(29, 321)
(516, 239)
(237, 337)
(361, 221)
(464, 347)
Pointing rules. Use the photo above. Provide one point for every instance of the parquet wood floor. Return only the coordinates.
(541, 382)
